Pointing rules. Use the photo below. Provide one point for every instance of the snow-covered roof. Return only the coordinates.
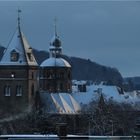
(64, 103)
(19, 45)
(53, 47)
(55, 62)
(30, 59)
(94, 91)
(61, 103)
(82, 82)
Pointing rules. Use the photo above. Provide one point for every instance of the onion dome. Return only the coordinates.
(55, 51)
(56, 42)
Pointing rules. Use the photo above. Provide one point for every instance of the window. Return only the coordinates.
(14, 56)
(61, 75)
(68, 86)
(7, 90)
(50, 75)
(19, 90)
(48, 86)
(58, 87)
(69, 75)
(32, 90)
(30, 56)
(32, 75)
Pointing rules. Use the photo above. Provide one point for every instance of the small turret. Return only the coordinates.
(56, 42)
(56, 71)
(18, 74)
(55, 45)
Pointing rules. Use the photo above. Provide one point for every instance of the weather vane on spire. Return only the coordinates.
(19, 11)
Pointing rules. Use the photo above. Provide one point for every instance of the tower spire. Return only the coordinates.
(19, 11)
(55, 44)
(55, 26)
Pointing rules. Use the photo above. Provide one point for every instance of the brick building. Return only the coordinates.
(18, 75)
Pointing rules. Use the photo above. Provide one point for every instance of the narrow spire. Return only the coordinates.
(19, 11)
(55, 26)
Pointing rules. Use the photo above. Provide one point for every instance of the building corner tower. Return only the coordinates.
(18, 75)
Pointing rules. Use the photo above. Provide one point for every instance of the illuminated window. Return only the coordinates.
(14, 55)
(13, 75)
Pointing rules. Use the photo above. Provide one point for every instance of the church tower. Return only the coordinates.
(18, 74)
(55, 71)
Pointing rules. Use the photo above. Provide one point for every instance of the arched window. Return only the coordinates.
(61, 75)
(48, 75)
(7, 90)
(19, 90)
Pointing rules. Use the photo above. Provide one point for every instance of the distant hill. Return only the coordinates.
(133, 82)
(83, 69)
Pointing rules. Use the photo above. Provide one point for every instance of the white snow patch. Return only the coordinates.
(94, 91)
(55, 62)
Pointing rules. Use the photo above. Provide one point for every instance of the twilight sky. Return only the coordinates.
(107, 32)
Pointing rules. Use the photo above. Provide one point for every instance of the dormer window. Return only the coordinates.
(14, 56)
(30, 56)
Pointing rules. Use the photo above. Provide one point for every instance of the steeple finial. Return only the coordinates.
(19, 11)
(55, 26)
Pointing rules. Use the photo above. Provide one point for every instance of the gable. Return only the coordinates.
(18, 51)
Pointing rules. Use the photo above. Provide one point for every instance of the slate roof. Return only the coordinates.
(61, 103)
(20, 45)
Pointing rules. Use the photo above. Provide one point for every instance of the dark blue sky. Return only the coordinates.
(107, 32)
